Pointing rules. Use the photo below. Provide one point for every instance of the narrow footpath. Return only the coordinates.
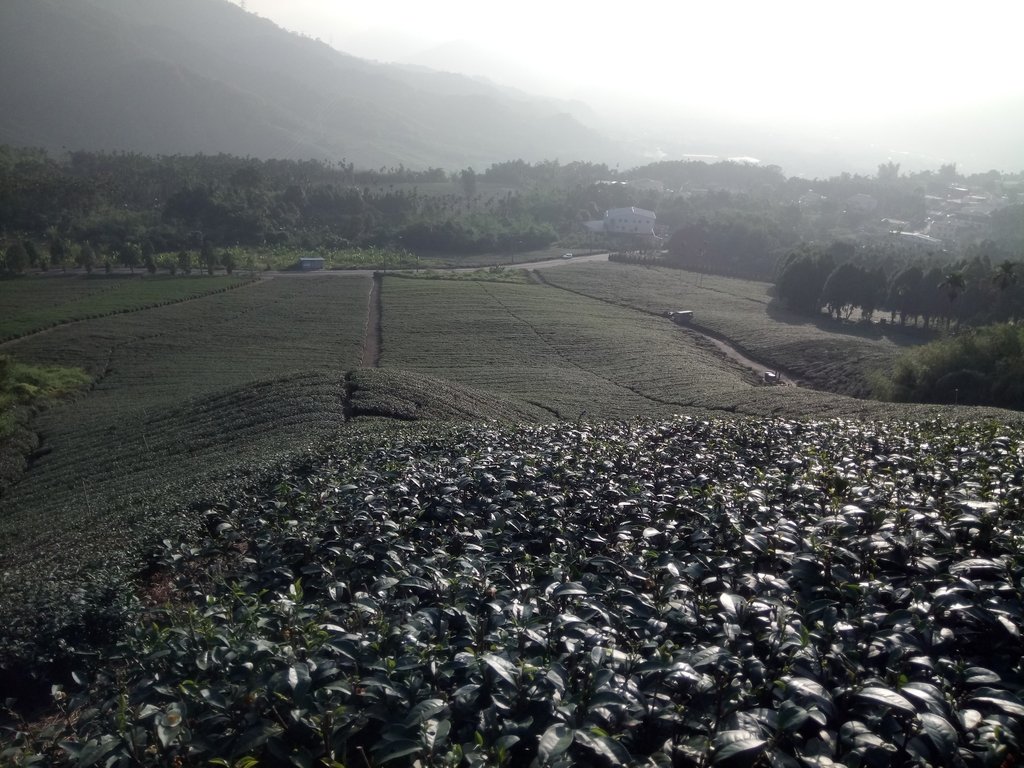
(722, 345)
(372, 332)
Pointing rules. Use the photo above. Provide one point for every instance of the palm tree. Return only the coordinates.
(1004, 276)
(955, 284)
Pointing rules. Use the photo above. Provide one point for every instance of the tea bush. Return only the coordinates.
(684, 592)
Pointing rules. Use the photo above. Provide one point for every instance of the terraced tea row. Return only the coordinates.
(577, 356)
(33, 304)
(568, 354)
(824, 356)
(184, 396)
(408, 396)
(165, 354)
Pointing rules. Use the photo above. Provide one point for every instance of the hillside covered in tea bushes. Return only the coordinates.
(682, 592)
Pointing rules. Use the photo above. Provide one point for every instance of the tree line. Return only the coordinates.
(982, 366)
(93, 209)
(846, 281)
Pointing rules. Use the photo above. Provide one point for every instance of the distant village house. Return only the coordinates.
(625, 221)
(632, 225)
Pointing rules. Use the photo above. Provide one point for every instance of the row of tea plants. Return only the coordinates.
(682, 593)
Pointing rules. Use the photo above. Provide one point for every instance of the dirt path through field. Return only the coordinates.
(372, 334)
(719, 342)
(723, 346)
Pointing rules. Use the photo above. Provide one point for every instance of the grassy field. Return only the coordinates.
(24, 390)
(286, 257)
(27, 385)
(259, 259)
(39, 302)
(825, 355)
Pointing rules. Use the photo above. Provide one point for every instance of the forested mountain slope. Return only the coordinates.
(205, 76)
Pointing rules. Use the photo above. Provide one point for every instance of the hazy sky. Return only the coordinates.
(883, 71)
(797, 57)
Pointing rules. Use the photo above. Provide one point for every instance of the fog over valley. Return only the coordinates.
(813, 87)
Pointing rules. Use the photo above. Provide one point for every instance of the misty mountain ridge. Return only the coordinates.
(205, 76)
(649, 124)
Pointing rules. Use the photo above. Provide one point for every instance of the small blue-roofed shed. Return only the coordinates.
(310, 263)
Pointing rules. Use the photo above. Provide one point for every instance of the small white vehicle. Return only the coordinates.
(680, 316)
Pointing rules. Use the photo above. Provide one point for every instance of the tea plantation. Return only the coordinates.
(30, 305)
(824, 355)
(680, 592)
(578, 356)
(186, 399)
(551, 529)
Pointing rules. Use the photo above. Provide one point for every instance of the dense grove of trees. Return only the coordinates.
(93, 209)
(985, 286)
(732, 242)
(982, 367)
(90, 209)
(980, 296)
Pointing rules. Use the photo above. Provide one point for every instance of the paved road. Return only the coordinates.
(543, 264)
(555, 262)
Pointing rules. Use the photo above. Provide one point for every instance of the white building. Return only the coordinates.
(625, 221)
